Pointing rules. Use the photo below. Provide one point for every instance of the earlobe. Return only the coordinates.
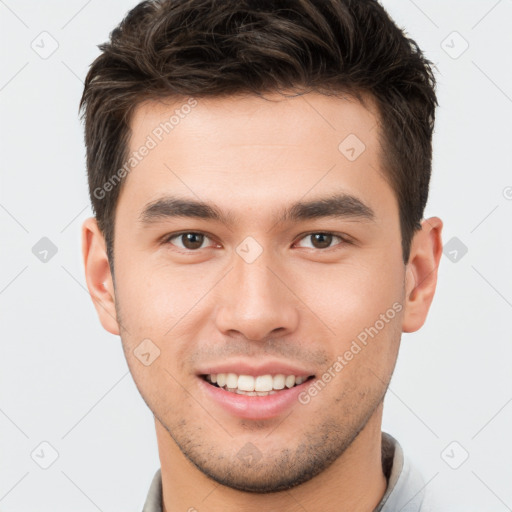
(421, 273)
(98, 275)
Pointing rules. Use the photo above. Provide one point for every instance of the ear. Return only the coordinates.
(98, 275)
(421, 273)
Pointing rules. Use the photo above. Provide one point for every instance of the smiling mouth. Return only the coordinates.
(261, 385)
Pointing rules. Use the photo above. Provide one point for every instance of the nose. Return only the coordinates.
(256, 300)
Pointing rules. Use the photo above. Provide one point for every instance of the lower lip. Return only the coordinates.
(254, 407)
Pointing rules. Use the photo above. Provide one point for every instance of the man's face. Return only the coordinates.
(261, 294)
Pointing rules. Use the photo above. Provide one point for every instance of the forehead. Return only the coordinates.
(246, 151)
(250, 119)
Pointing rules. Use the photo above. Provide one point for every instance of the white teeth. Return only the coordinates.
(246, 383)
(231, 380)
(249, 393)
(290, 381)
(261, 385)
(278, 382)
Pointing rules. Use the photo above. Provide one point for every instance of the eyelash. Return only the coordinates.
(167, 240)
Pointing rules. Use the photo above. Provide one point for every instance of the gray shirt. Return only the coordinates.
(405, 491)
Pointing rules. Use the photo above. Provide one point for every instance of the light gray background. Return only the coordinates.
(64, 380)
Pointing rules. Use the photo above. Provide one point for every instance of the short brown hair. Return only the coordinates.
(201, 48)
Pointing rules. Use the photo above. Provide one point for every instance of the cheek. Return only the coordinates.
(350, 297)
(154, 297)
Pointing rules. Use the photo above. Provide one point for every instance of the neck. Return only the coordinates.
(355, 481)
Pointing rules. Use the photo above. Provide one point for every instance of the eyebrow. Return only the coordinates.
(343, 206)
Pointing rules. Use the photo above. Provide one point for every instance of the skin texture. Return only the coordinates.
(297, 302)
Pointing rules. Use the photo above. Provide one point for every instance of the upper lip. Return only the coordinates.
(241, 367)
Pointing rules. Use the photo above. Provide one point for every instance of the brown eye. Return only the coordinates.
(190, 241)
(322, 240)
